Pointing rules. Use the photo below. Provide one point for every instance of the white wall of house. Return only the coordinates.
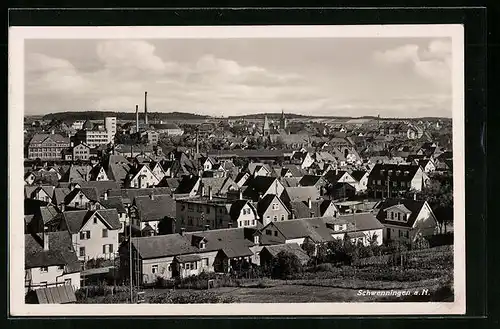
(369, 234)
(51, 275)
(426, 223)
(94, 245)
(144, 178)
(418, 180)
(102, 175)
(300, 241)
(79, 201)
(307, 162)
(41, 195)
(275, 188)
(362, 184)
(347, 178)
(158, 172)
(153, 223)
(247, 217)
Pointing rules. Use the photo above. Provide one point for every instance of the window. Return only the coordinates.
(275, 233)
(392, 215)
(104, 233)
(208, 210)
(253, 222)
(44, 269)
(95, 220)
(275, 206)
(379, 182)
(60, 267)
(154, 269)
(194, 265)
(399, 216)
(67, 282)
(407, 234)
(188, 266)
(169, 267)
(269, 232)
(82, 251)
(202, 245)
(204, 262)
(84, 235)
(268, 218)
(275, 218)
(282, 217)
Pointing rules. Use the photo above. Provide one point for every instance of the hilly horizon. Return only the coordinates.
(175, 115)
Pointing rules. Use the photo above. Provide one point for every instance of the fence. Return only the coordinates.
(403, 257)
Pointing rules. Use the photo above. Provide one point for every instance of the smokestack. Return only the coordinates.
(146, 108)
(137, 118)
(45, 238)
(210, 193)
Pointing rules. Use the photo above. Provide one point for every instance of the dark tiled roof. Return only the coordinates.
(133, 193)
(159, 207)
(60, 194)
(258, 185)
(113, 203)
(90, 193)
(171, 183)
(163, 246)
(101, 186)
(60, 250)
(75, 220)
(358, 174)
(362, 221)
(236, 207)
(227, 239)
(187, 184)
(414, 206)
(311, 180)
(302, 193)
(406, 172)
(314, 228)
(293, 248)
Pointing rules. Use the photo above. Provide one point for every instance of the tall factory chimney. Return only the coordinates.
(146, 108)
(136, 118)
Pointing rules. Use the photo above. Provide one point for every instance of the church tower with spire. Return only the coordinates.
(265, 129)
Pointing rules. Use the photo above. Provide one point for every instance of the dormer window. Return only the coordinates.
(256, 239)
(202, 245)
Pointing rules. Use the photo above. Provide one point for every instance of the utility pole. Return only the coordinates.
(130, 259)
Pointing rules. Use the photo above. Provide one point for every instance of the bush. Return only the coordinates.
(325, 267)
(190, 297)
(285, 264)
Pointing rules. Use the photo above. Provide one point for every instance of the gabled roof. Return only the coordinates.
(60, 250)
(237, 205)
(412, 205)
(75, 220)
(290, 181)
(187, 184)
(39, 138)
(358, 174)
(333, 176)
(219, 185)
(163, 246)
(310, 180)
(361, 222)
(60, 194)
(258, 185)
(231, 240)
(265, 203)
(131, 193)
(90, 193)
(300, 209)
(114, 203)
(169, 182)
(101, 186)
(313, 228)
(156, 208)
(302, 193)
(406, 172)
(292, 248)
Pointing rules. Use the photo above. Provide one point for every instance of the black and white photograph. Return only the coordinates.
(252, 170)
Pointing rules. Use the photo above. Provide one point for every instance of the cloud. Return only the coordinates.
(125, 54)
(432, 63)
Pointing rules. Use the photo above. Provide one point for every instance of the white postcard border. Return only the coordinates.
(17, 35)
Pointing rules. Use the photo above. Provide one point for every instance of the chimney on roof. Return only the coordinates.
(52, 132)
(62, 206)
(240, 192)
(45, 238)
(71, 144)
(106, 195)
(415, 196)
(182, 230)
(146, 108)
(152, 196)
(210, 193)
(202, 190)
(309, 203)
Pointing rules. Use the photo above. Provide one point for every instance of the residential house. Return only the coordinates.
(406, 220)
(141, 176)
(117, 203)
(50, 260)
(316, 208)
(304, 159)
(361, 228)
(41, 193)
(98, 173)
(260, 186)
(94, 233)
(243, 213)
(301, 193)
(339, 176)
(319, 182)
(81, 152)
(148, 213)
(272, 208)
(341, 190)
(82, 198)
(391, 180)
(427, 165)
(193, 214)
(217, 186)
(269, 253)
(188, 186)
(361, 177)
(258, 169)
(241, 178)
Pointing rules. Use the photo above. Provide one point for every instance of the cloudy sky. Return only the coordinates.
(392, 77)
